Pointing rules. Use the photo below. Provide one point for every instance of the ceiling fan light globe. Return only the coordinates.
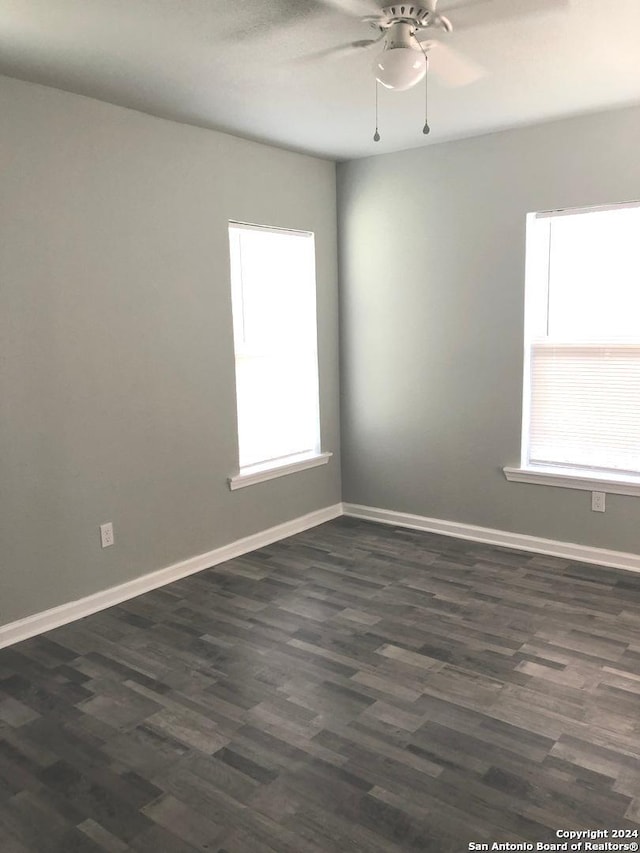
(399, 68)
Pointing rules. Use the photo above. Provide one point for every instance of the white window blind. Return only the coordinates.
(585, 410)
(274, 319)
(582, 375)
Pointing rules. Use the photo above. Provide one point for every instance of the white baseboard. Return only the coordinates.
(22, 629)
(568, 550)
(47, 620)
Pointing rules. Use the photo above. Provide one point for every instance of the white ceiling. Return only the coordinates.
(243, 66)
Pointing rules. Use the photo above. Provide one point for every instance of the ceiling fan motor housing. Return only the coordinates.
(417, 16)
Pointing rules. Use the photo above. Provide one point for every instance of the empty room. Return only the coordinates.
(319, 426)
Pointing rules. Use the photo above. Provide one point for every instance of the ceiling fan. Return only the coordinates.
(411, 34)
(407, 32)
(404, 30)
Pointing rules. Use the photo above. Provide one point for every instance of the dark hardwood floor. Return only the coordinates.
(354, 688)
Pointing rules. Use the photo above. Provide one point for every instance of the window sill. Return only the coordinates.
(270, 470)
(574, 479)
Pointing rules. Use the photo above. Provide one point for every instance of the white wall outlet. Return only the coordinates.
(597, 501)
(106, 534)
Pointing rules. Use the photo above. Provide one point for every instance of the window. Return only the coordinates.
(274, 325)
(581, 414)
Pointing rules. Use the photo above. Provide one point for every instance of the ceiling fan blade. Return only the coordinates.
(355, 8)
(376, 20)
(339, 51)
(477, 13)
(435, 18)
(452, 67)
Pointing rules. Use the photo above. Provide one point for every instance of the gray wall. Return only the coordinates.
(432, 275)
(116, 373)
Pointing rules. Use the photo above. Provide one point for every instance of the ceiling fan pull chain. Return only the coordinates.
(376, 135)
(426, 129)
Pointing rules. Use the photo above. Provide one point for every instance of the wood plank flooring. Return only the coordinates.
(354, 688)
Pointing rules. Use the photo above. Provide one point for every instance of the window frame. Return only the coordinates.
(276, 466)
(536, 296)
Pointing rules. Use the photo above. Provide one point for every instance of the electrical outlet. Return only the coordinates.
(597, 501)
(106, 534)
